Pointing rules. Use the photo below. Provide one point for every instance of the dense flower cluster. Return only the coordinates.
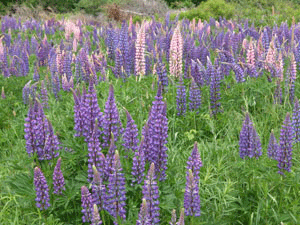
(41, 189)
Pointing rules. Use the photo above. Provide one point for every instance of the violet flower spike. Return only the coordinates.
(58, 179)
(42, 190)
(143, 215)
(96, 220)
(191, 196)
(86, 204)
(98, 189)
(273, 147)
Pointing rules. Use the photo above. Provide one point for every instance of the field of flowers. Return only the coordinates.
(159, 122)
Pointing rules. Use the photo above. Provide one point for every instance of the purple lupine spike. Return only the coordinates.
(215, 94)
(191, 196)
(162, 74)
(130, 140)
(115, 197)
(296, 120)
(194, 162)
(90, 111)
(110, 157)
(41, 188)
(159, 140)
(86, 204)
(26, 92)
(111, 123)
(51, 146)
(272, 146)
(147, 141)
(143, 215)
(173, 218)
(44, 95)
(96, 220)
(181, 98)
(36, 76)
(58, 179)
(138, 164)
(194, 97)
(30, 132)
(249, 140)
(98, 189)
(150, 193)
(78, 119)
(94, 151)
(284, 154)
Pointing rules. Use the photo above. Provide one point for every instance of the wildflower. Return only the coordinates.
(41, 188)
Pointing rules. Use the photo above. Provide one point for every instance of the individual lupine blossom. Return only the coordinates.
(296, 120)
(44, 95)
(191, 196)
(194, 162)
(94, 151)
(3, 94)
(41, 189)
(58, 179)
(181, 98)
(140, 48)
(98, 189)
(181, 218)
(96, 220)
(86, 204)
(284, 155)
(130, 137)
(176, 51)
(138, 164)
(111, 123)
(115, 198)
(90, 111)
(249, 140)
(51, 146)
(273, 147)
(194, 97)
(151, 194)
(144, 214)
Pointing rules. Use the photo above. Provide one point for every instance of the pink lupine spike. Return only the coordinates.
(140, 46)
(251, 54)
(279, 66)
(176, 50)
(271, 56)
(293, 67)
(200, 25)
(130, 25)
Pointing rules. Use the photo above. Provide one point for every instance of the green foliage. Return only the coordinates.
(92, 6)
(211, 8)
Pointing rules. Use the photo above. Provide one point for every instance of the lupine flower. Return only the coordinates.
(98, 189)
(162, 74)
(51, 145)
(138, 164)
(273, 147)
(111, 123)
(251, 54)
(94, 151)
(214, 88)
(249, 140)
(296, 120)
(150, 193)
(96, 220)
(140, 48)
(181, 98)
(194, 97)
(181, 218)
(115, 198)
(36, 75)
(3, 94)
(26, 92)
(58, 179)
(191, 196)
(278, 93)
(44, 95)
(173, 218)
(176, 51)
(284, 155)
(110, 157)
(194, 162)
(144, 214)
(41, 188)
(86, 204)
(130, 140)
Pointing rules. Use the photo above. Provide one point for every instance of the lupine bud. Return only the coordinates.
(143, 215)
(42, 190)
(194, 162)
(96, 217)
(98, 189)
(58, 179)
(181, 218)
